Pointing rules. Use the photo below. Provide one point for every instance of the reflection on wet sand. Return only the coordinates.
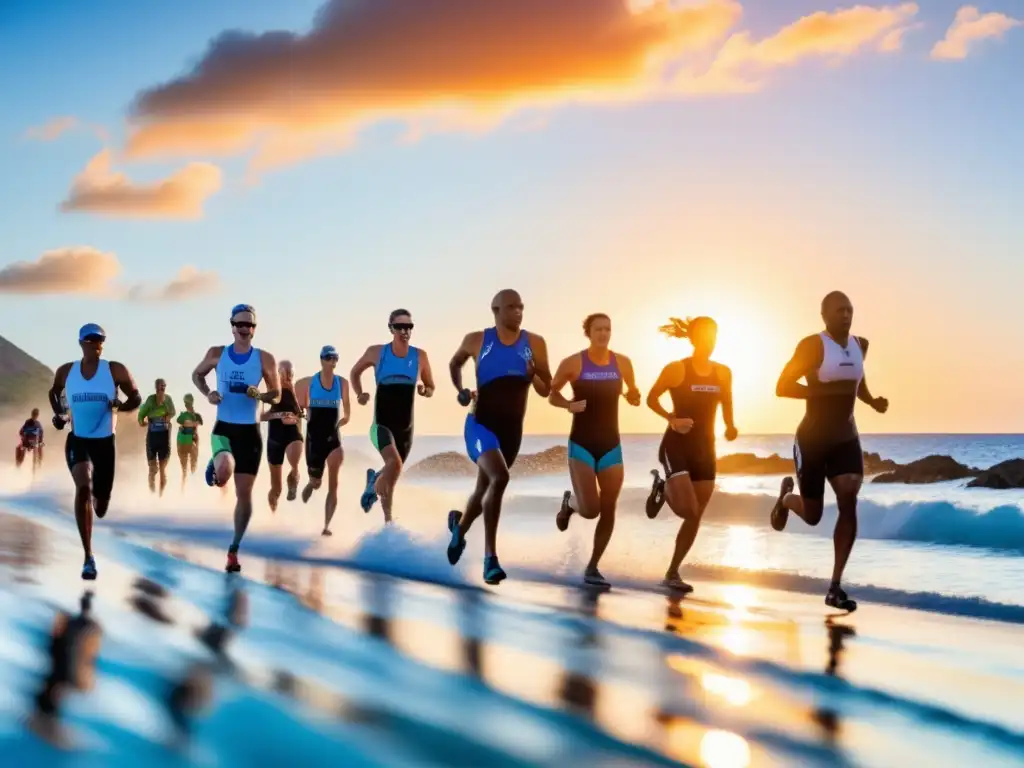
(22, 548)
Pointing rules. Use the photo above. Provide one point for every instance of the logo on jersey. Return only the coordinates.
(484, 352)
(90, 397)
(236, 383)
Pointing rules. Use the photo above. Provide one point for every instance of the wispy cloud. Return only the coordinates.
(86, 271)
(98, 189)
(971, 26)
(52, 129)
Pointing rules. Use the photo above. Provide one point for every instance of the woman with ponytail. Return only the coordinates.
(597, 376)
(687, 453)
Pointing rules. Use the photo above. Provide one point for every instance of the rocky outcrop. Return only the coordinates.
(930, 469)
(749, 464)
(551, 461)
(1005, 474)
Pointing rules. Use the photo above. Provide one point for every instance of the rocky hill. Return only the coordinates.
(24, 381)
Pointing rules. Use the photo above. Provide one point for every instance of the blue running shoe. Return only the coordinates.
(458, 543)
(211, 474)
(369, 497)
(493, 572)
(89, 569)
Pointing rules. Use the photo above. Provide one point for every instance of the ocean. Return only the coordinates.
(368, 648)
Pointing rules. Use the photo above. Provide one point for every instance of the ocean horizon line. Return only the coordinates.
(565, 436)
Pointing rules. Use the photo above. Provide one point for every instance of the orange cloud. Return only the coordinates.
(395, 59)
(76, 269)
(970, 26)
(188, 284)
(85, 271)
(467, 64)
(97, 189)
(52, 129)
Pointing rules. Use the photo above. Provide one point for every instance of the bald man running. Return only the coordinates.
(827, 441)
(508, 360)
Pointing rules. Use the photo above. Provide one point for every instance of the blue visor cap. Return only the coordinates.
(239, 308)
(92, 332)
(327, 351)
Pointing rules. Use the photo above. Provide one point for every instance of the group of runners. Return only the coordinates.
(509, 361)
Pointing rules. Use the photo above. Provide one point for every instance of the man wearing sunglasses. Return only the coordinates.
(89, 387)
(508, 360)
(236, 440)
(397, 367)
(324, 396)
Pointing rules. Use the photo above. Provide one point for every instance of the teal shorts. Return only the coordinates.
(600, 463)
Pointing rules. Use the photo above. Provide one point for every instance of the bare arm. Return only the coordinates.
(469, 347)
(124, 381)
(302, 392)
(426, 387)
(568, 371)
(880, 404)
(541, 367)
(271, 377)
(805, 359)
(208, 363)
(368, 360)
(725, 377)
(346, 404)
(632, 394)
(60, 377)
(671, 376)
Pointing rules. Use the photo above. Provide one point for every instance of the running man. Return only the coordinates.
(89, 387)
(324, 397)
(597, 376)
(157, 412)
(397, 368)
(236, 440)
(827, 442)
(687, 452)
(284, 438)
(508, 359)
(30, 439)
(188, 437)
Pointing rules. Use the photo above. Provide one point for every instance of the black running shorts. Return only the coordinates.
(817, 462)
(100, 453)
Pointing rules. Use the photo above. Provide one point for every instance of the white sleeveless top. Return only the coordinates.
(233, 380)
(89, 401)
(841, 363)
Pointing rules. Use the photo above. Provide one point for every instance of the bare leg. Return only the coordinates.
(153, 469)
(334, 461)
(584, 487)
(846, 488)
(492, 464)
(294, 454)
(275, 486)
(610, 482)
(81, 473)
(688, 500)
(387, 478)
(243, 507)
(163, 474)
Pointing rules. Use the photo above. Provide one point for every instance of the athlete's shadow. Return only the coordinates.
(829, 719)
(578, 690)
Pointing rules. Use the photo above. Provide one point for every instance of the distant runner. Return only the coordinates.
(398, 367)
(30, 440)
(827, 445)
(156, 414)
(508, 360)
(324, 396)
(188, 437)
(687, 452)
(90, 388)
(236, 440)
(599, 377)
(284, 438)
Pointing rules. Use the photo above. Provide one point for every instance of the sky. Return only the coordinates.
(328, 162)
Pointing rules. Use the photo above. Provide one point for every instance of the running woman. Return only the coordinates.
(508, 360)
(188, 437)
(397, 368)
(284, 438)
(156, 414)
(687, 453)
(827, 445)
(324, 397)
(236, 440)
(599, 377)
(30, 439)
(89, 387)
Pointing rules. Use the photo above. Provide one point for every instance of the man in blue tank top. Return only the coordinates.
(398, 367)
(324, 396)
(89, 387)
(236, 440)
(508, 360)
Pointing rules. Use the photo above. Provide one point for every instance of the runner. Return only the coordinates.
(284, 438)
(687, 452)
(508, 360)
(397, 368)
(597, 376)
(324, 396)
(188, 437)
(89, 387)
(236, 440)
(157, 412)
(30, 439)
(827, 442)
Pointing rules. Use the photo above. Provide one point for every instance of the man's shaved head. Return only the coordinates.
(837, 312)
(833, 298)
(507, 306)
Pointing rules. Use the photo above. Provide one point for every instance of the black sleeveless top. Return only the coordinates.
(278, 431)
(697, 398)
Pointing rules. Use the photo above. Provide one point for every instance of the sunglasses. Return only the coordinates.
(330, 357)
(402, 326)
(92, 338)
(243, 324)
